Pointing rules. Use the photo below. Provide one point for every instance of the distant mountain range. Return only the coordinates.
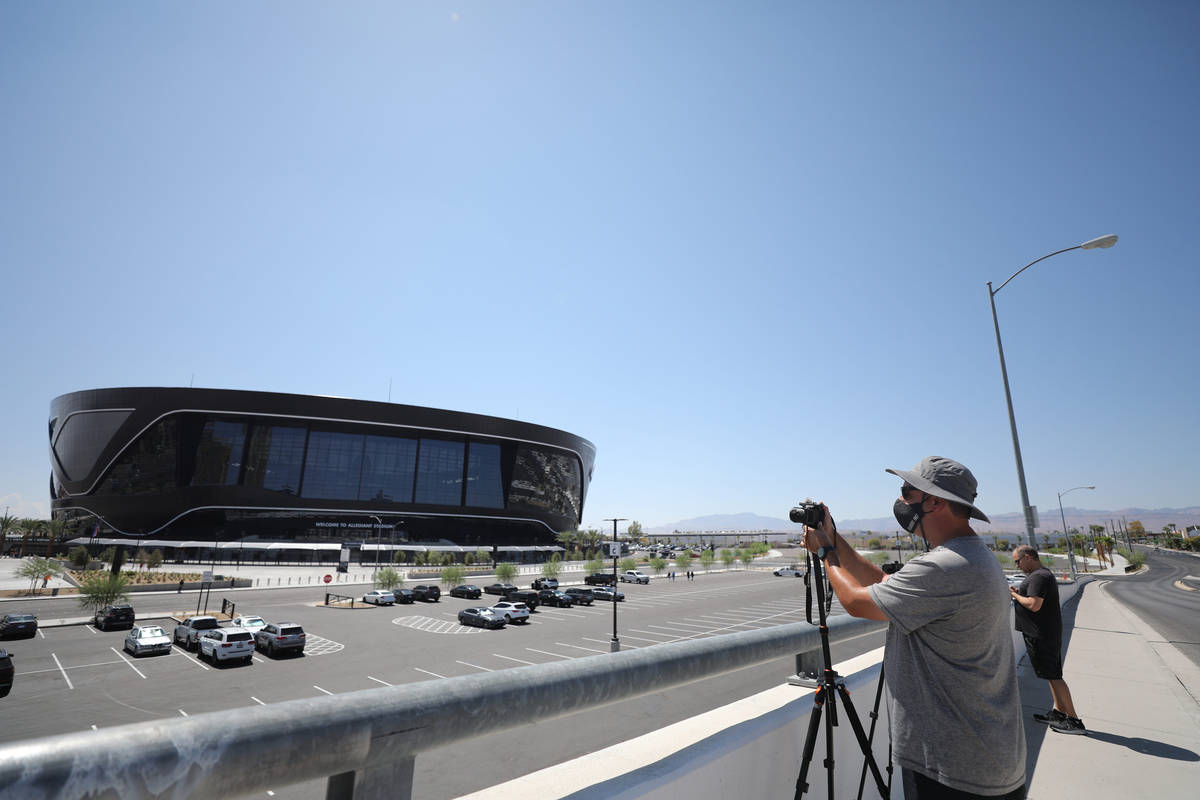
(1153, 519)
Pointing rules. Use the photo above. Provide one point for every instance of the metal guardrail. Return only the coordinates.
(366, 742)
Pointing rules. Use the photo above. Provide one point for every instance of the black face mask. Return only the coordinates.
(908, 514)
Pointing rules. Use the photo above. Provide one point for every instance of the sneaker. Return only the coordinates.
(1072, 725)
(1053, 715)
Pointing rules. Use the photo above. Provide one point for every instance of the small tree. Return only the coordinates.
(108, 555)
(101, 588)
(36, 569)
(728, 557)
(875, 544)
(658, 565)
(746, 557)
(506, 572)
(483, 556)
(628, 564)
(706, 559)
(594, 566)
(79, 557)
(388, 578)
(453, 575)
(683, 561)
(155, 559)
(634, 531)
(552, 567)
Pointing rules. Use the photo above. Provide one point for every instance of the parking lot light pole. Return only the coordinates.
(375, 530)
(615, 645)
(1061, 513)
(1102, 242)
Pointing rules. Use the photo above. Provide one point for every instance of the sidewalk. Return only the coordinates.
(1138, 696)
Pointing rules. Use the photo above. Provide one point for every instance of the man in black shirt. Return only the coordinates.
(1039, 618)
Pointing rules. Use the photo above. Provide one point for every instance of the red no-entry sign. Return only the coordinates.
(328, 578)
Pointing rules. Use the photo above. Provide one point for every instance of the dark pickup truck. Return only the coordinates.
(601, 579)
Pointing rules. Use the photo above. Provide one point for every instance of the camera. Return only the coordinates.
(891, 568)
(808, 513)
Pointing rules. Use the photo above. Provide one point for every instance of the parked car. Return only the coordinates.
(379, 597)
(793, 571)
(226, 644)
(545, 583)
(527, 596)
(1015, 580)
(481, 618)
(607, 593)
(18, 625)
(634, 576)
(275, 637)
(113, 616)
(250, 623)
(6, 673)
(404, 596)
(427, 592)
(512, 611)
(580, 596)
(601, 579)
(467, 591)
(190, 629)
(146, 639)
(552, 597)
(499, 588)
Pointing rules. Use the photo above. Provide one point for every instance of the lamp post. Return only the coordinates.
(615, 645)
(375, 530)
(1102, 242)
(1061, 513)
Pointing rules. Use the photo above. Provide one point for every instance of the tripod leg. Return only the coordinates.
(862, 740)
(830, 722)
(810, 741)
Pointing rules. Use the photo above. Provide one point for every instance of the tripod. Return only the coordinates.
(829, 687)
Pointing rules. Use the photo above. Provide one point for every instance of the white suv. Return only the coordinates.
(226, 643)
(512, 611)
(634, 576)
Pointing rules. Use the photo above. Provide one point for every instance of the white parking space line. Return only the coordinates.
(684, 624)
(255, 699)
(580, 647)
(609, 641)
(63, 671)
(92, 629)
(196, 661)
(76, 666)
(625, 635)
(474, 666)
(547, 653)
(95, 728)
(510, 658)
(427, 672)
(121, 656)
(41, 633)
(385, 683)
(319, 689)
(182, 713)
(654, 633)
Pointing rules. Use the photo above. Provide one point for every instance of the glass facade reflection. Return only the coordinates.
(546, 481)
(485, 482)
(440, 473)
(148, 466)
(219, 453)
(333, 466)
(276, 458)
(389, 469)
(82, 437)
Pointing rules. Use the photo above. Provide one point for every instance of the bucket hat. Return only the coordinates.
(944, 478)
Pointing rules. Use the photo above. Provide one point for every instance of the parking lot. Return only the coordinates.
(77, 678)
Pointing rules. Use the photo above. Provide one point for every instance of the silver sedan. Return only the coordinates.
(145, 639)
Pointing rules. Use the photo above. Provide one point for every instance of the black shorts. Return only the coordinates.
(922, 787)
(1045, 657)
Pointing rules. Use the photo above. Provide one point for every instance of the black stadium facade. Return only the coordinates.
(213, 465)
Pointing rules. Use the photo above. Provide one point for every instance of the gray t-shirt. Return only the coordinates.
(952, 678)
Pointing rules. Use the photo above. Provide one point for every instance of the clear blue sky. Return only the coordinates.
(741, 247)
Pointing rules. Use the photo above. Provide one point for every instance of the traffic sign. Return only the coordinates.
(328, 578)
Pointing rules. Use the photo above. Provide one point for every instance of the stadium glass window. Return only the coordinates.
(389, 469)
(546, 481)
(333, 465)
(83, 437)
(275, 458)
(485, 487)
(148, 465)
(219, 454)
(440, 472)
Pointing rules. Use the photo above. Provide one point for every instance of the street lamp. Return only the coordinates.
(615, 645)
(1061, 513)
(375, 530)
(1102, 242)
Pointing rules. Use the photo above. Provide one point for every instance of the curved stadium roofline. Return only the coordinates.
(226, 464)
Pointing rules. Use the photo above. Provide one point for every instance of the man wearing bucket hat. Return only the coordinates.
(953, 700)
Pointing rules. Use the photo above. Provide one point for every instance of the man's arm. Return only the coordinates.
(853, 596)
(1033, 604)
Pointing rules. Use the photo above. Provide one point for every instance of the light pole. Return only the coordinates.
(615, 645)
(1061, 513)
(375, 530)
(1092, 244)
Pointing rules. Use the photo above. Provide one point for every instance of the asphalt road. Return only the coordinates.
(76, 678)
(1167, 596)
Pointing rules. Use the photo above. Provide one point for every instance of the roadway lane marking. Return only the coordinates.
(609, 642)
(427, 672)
(547, 653)
(510, 658)
(63, 671)
(127, 661)
(580, 647)
(319, 689)
(255, 699)
(385, 683)
(476, 666)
